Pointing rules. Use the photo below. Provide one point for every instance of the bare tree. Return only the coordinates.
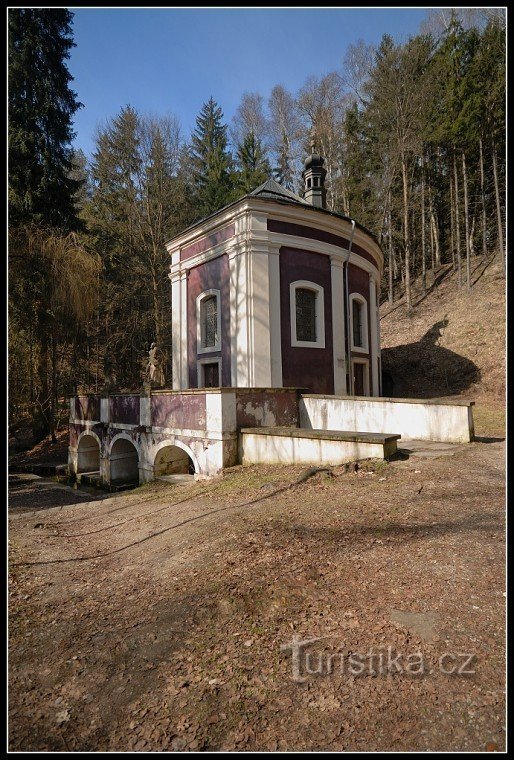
(285, 136)
(250, 118)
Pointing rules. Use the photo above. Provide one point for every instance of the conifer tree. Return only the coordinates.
(41, 109)
(254, 168)
(212, 163)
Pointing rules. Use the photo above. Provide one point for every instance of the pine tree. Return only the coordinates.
(211, 160)
(254, 168)
(41, 109)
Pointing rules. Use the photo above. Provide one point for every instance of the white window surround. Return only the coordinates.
(200, 349)
(364, 362)
(364, 349)
(320, 314)
(200, 379)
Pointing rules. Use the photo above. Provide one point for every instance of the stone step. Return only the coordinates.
(282, 445)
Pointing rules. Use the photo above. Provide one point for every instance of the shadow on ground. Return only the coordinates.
(425, 369)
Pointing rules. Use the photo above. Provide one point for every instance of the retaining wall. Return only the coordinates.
(413, 419)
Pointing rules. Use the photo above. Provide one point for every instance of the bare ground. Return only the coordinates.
(154, 620)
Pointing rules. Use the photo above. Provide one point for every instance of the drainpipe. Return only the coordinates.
(348, 342)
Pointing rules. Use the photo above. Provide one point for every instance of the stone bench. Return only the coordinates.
(282, 445)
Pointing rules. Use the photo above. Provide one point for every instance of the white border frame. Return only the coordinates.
(199, 370)
(200, 349)
(365, 362)
(364, 349)
(320, 314)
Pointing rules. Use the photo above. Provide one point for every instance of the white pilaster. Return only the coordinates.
(338, 325)
(176, 320)
(373, 315)
(275, 331)
(183, 332)
(104, 409)
(238, 318)
(145, 411)
(259, 342)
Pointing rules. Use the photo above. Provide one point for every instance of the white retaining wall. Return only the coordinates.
(413, 419)
(261, 447)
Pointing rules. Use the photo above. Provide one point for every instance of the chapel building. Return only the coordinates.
(277, 291)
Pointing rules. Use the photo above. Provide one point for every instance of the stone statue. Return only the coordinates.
(154, 372)
(110, 381)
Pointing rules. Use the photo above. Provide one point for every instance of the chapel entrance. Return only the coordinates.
(211, 375)
(359, 379)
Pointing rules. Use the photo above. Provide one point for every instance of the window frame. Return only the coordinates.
(364, 349)
(200, 348)
(320, 314)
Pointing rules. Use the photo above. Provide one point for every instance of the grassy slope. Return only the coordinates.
(453, 344)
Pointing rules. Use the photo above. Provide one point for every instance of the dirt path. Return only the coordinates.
(157, 619)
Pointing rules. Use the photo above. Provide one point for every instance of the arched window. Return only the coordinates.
(209, 318)
(359, 327)
(208, 321)
(307, 315)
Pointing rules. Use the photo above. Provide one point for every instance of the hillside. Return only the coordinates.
(454, 342)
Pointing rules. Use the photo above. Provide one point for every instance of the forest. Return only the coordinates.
(414, 140)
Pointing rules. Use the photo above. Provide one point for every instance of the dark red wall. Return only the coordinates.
(87, 408)
(124, 409)
(212, 274)
(287, 228)
(178, 411)
(283, 404)
(208, 242)
(311, 368)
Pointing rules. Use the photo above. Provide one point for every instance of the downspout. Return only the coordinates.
(348, 343)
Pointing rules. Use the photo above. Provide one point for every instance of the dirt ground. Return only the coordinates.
(162, 618)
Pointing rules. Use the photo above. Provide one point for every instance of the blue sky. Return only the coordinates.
(170, 61)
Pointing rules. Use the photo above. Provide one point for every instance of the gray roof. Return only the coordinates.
(272, 189)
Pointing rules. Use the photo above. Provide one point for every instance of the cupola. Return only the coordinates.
(313, 177)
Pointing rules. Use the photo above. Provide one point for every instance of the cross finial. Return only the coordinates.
(313, 140)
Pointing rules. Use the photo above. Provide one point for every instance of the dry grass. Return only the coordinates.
(454, 341)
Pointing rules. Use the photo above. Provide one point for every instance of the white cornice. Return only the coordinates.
(303, 215)
(266, 240)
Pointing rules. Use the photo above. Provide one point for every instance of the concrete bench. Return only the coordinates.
(282, 445)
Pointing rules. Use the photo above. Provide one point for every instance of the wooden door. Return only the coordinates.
(211, 375)
(358, 379)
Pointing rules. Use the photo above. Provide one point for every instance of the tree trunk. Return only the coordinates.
(432, 246)
(31, 368)
(391, 257)
(423, 261)
(452, 225)
(54, 395)
(408, 297)
(437, 248)
(466, 221)
(41, 413)
(457, 224)
(498, 208)
(482, 193)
